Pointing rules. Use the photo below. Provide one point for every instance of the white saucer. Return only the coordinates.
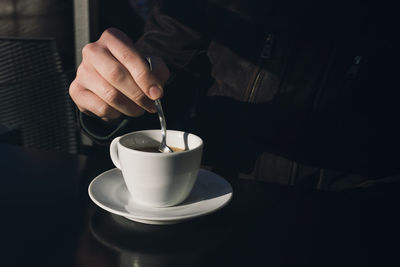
(210, 193)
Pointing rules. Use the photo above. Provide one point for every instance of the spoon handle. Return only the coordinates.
(163, 146)
(162, 122)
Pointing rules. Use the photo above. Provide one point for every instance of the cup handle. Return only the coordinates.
(114, 152)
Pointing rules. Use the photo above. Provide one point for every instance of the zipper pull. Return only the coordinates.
(354, 68)
(266, 52)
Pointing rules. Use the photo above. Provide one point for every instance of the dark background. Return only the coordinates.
(55, 19)
(38, 19)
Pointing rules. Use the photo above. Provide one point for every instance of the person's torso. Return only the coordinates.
(311, 59)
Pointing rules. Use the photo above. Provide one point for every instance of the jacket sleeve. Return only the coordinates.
(174, 31)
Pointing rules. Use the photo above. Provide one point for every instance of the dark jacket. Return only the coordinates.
(294, 92)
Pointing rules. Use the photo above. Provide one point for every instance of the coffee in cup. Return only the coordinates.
(156, 149)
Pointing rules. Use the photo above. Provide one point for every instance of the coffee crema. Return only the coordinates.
(154, 149)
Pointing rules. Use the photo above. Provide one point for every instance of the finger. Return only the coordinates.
(116, 74)
(87, 101)
(123, 50)
(90, 79)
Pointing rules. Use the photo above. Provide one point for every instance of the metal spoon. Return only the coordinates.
(163, 148)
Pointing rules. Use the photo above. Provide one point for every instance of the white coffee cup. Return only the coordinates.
(157, 179)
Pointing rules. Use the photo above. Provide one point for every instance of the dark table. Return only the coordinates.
(47, 219)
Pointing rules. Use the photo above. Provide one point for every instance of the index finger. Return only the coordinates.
(124, 51)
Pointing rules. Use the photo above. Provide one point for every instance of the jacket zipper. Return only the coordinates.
(265, 54)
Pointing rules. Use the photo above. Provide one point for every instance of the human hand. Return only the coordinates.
(114, 78)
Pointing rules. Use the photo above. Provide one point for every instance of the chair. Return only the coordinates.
(34, 95)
